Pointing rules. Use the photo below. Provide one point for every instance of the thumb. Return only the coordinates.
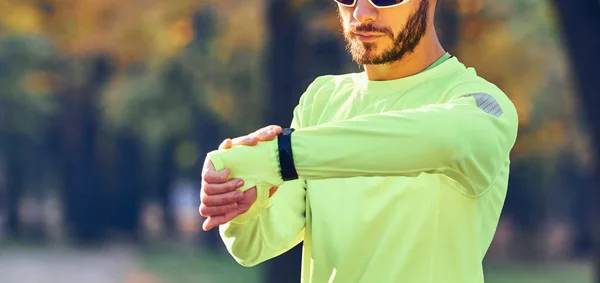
(209, 223)
(226, 144)
(272, 191)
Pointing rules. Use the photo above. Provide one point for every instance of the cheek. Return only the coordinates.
(345, 15)
(395, 22)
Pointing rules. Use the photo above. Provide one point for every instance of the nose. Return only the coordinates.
(365, 12)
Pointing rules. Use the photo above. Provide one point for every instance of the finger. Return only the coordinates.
(208, 211)
(212, 176)
(245, 140)
(272, 191)
(221, 199)
(260, 131)
(263, 129)
(273, 128)
(247, 200)
(210, 223)
(277, 129)
(268, 133)
(226, 144)
(217, 189)
(215, 221)
(208, 166)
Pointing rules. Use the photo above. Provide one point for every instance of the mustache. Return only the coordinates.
(370, 28)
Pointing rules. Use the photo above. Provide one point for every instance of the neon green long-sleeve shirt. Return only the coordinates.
(399, 181)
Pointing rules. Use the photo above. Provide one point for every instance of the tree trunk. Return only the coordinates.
(283, 83)
(125, 200)
(447, 20)
(14, 186)
(580, 22)
(85, 202)
(284, 91)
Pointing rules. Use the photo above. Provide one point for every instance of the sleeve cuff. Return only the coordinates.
(258, 163)
(257, 166)
(217, 161)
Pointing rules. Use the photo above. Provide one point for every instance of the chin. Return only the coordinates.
(365, 58)
(362, 53)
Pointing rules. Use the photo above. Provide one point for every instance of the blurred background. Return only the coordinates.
(107, 109)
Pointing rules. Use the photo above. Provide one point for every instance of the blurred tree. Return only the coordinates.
(447, 24)
(120, 98)
(580, 23)
(82, 27)
(514, 45)
(79, 119)
(26, 77)
(98, 43)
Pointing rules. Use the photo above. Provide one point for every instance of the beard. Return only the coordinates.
(404, 42)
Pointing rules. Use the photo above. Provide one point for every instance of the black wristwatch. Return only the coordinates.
(286, 157)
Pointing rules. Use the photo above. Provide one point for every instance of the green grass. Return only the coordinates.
(197, 267)
(177, 267)
(538, 273)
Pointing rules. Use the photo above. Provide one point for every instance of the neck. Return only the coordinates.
(426, 53)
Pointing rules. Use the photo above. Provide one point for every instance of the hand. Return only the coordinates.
(267, 133)
(220, 200)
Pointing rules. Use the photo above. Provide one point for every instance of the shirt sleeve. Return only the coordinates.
(272, 226)
(271, 230)
(468, 138)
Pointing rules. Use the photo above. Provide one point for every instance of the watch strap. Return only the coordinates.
(286, 157)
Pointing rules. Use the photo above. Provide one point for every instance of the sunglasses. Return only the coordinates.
(376, 3)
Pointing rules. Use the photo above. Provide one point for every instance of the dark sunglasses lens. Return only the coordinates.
(345, 2)
(385, 3)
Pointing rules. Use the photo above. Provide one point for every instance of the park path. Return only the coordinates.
(108, 265)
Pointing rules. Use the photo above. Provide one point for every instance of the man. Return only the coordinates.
(395, 174)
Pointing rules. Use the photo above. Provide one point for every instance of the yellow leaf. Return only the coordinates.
(21, 17)
(37, 83)
(547, 139)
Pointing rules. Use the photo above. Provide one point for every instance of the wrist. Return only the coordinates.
(215, 161)
(285, 154)
(257, 164)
